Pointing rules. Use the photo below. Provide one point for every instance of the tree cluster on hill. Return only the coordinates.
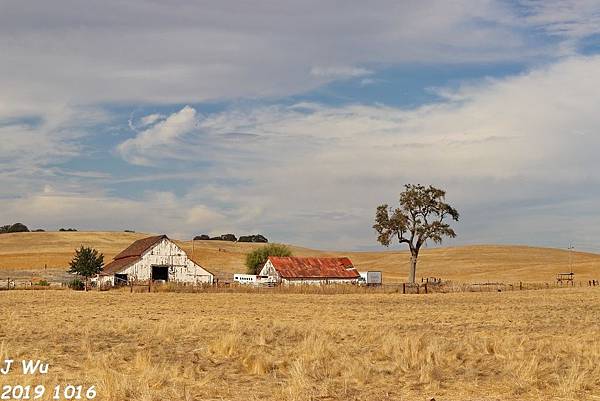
(14, 228)
(67, 229)
(256, 259)
(232, 238)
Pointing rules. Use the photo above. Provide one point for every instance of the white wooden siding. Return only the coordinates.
(166, 253)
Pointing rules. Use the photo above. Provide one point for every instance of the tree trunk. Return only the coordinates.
(412, 274)
(86, 283)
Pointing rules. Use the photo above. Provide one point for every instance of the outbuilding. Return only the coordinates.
(302, 270)
(154, 258)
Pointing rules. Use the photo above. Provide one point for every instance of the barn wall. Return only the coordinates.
(181, 268)
(269, 270)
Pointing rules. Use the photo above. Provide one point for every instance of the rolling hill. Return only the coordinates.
(50, 252)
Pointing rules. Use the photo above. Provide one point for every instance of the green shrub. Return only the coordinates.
(43, 283)
(76, 284)
(258, 257)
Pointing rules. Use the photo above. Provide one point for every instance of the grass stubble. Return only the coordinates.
(530, 345)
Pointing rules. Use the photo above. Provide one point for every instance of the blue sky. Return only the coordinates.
(296, 120)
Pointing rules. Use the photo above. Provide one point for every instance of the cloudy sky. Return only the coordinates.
(296, 119)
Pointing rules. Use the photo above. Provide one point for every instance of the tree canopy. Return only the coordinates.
(423, 215)
(256, 259)
(86, 262)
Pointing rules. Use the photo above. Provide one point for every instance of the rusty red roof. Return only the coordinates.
(139, 247)
(332, 268)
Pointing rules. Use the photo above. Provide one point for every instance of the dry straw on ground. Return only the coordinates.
(530, 345)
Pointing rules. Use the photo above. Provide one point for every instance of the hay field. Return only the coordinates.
(32, 251)
(530, 345)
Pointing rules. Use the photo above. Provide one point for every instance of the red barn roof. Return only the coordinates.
(331, 268)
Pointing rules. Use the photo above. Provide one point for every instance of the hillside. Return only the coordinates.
(30, 253)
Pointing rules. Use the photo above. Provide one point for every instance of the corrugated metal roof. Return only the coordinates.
(296, 267)
(139, 247)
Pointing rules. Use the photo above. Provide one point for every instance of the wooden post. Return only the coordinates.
(8, 283)
(150, 285)
(521, 285)
(131, 287)
(425, 288)
(404, 288)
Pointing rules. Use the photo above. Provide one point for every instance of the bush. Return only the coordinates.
(256, 259)
(67, 229)
(76, 284)
(202, 237)
(42, 283)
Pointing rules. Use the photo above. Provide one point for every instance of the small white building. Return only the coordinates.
(154, 258)
(371, 278)
(296, 270)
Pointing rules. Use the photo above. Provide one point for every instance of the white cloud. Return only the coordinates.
(139, 150)
(502, 148)
(186, 52)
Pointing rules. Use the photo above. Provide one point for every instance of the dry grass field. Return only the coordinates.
(529, 345)
(484, 263)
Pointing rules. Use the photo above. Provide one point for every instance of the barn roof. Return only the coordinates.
(131, 254)
(295, 267)
(119, 264)
(140, 246)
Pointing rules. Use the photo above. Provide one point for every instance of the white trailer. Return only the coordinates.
(254, 279)
(371, 278)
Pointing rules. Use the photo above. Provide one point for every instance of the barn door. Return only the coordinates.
(160, 272)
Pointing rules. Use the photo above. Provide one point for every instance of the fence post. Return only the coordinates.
(150, 285)
(425, 288)
(521, 285)
(404, 288)
(8, 283)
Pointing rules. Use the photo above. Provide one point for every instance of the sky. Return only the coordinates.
(297, 119)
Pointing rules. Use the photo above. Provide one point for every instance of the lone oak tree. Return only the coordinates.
(419, 218)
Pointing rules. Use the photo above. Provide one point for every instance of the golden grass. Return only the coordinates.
(530, 345)
(482, 263)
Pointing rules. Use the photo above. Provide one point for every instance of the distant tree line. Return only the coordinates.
(232, 238)
(14, 228)
(22, 228)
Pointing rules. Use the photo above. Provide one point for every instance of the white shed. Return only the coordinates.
(157, 259)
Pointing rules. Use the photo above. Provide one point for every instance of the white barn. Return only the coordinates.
(157, 259)
(296, 270)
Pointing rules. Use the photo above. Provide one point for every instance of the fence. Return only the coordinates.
(438, 286)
